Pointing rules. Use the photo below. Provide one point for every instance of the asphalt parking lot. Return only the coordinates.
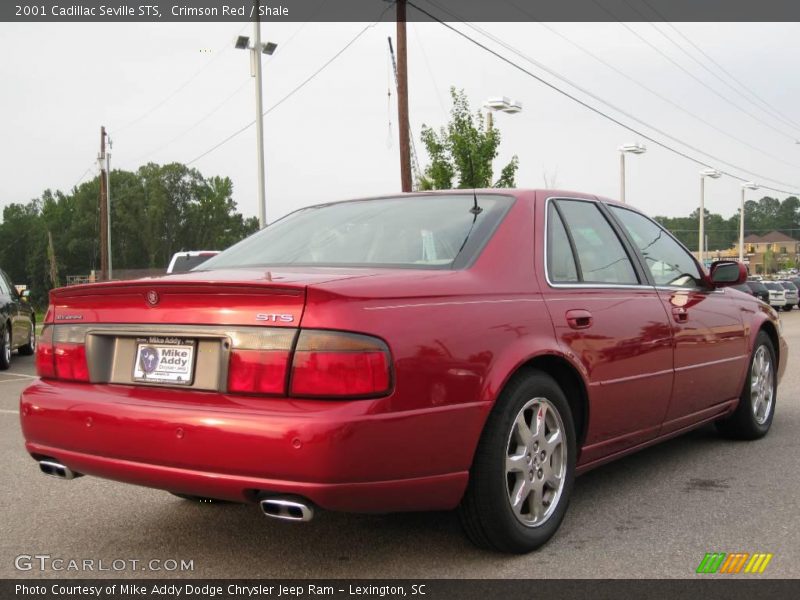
(653, 514)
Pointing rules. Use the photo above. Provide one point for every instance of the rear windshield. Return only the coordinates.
(773, 286)
(756, 286)
(186, 263)
(788, 285)
(426, 232)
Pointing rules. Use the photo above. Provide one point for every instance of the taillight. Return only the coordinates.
(260, 361)
(322, 364)
(45, 358)
(335, 364)
(61, 353)
(258, 371)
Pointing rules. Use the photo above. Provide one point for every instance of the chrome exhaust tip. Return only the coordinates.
(56, 469)
(287, 509)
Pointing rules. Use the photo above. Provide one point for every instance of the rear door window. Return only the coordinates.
(599, 254)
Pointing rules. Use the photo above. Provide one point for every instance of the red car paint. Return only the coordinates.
(651, 364)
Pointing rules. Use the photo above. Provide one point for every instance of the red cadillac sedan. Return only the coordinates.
(418, 352)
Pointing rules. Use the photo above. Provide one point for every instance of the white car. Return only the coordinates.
(186, 261)
(792, 298)
(777, 295)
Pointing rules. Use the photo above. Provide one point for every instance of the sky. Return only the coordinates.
(170, 92)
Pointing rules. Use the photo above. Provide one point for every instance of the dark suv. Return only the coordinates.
(754, 288)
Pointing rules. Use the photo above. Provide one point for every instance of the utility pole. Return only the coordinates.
(101, 159)
(402, 98)
(256, 58)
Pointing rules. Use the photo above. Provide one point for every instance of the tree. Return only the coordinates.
(465, 149)
(155, 212)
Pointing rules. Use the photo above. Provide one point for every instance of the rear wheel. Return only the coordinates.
(753, 416)
(5, 347)
(524, 468)
(29, 348)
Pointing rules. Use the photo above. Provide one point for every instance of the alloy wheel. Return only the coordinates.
(762, 389)
(536, 462)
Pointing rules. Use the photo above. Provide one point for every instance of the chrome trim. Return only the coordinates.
(286, 509)
(623, 286)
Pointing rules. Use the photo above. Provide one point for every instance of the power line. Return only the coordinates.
(598, 111)
(290, 94)
(179, 89)
(657, 94)
(775, 112)
(85, 173)
(230, 96)
(692, 75)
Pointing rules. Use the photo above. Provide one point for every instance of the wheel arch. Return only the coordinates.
(769, 328)
(568, 376)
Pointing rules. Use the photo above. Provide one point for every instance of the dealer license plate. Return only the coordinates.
(164, 360)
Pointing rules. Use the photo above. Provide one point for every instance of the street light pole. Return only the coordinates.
(256, 58)
(108, 207)
(745, 186)
(713, 174)
(635, 148)
(243, 43)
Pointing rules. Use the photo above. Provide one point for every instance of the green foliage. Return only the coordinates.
(760, 217)
(465, 149)
(155, 212)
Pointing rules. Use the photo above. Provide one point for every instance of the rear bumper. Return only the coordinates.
(347, 456)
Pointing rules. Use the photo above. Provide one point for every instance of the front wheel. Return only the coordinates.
(5, 348)
(524, 468)
(753, 416)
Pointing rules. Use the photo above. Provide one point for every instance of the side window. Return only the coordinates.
(4, 289)
(668, 261)
(560, 260)
(600, 256)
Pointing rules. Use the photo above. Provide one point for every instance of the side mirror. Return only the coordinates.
(725, 273)
(25, 296)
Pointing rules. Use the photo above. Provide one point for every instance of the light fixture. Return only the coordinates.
(712, 173)
(268, 48)
(635, 148)
(242, 42)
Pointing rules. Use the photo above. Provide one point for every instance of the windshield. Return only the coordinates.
(773, 286)
(412, 232)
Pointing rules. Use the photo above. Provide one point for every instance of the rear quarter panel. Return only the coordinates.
(455, 336)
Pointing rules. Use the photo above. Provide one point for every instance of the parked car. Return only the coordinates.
(777, 294)
(188, 260)
(754, 288)
(17, 323)
(791, 295)
(423, 352)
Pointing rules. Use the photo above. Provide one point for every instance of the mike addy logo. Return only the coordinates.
(737, 562)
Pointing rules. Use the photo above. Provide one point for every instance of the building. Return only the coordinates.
(769, 253)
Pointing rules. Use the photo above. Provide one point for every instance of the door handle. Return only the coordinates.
(680, 314)
(579, 318)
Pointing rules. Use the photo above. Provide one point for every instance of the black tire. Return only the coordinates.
(5, 347)
(744, 423)
(30, 348)
(485, 512)
(787, 307)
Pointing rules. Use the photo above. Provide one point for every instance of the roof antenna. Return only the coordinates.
(475, 210)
